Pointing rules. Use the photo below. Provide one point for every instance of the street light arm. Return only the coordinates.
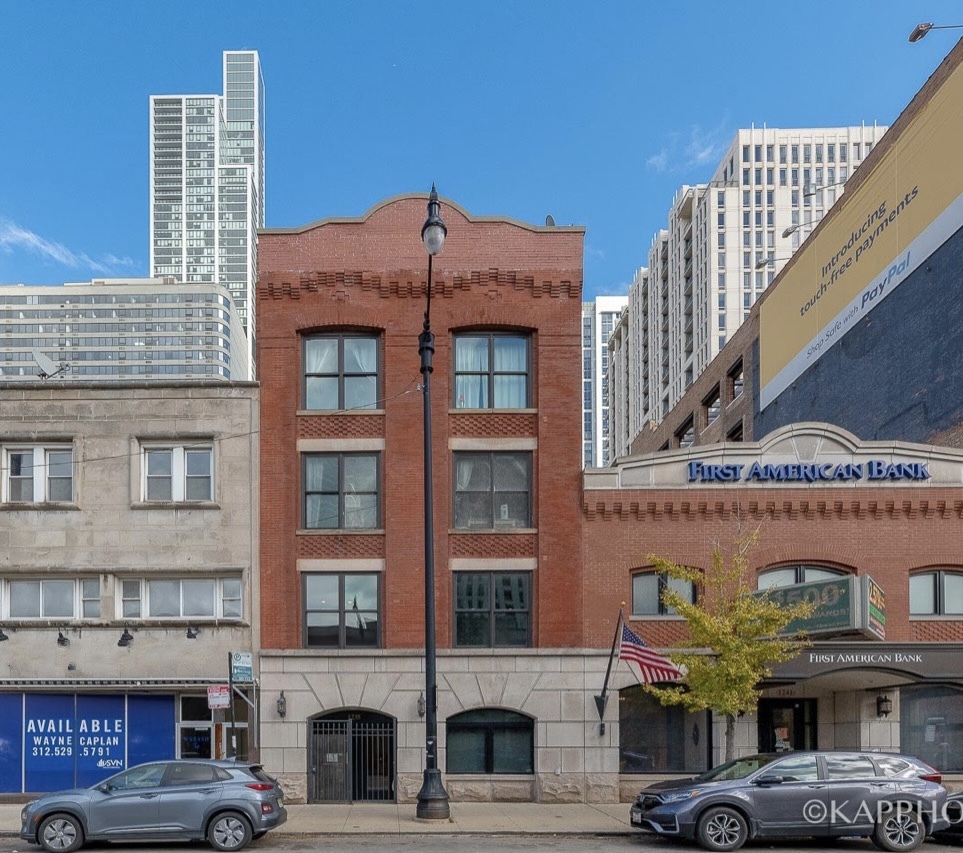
(923, 28)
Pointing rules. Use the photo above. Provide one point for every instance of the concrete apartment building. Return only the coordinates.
(207, 185)
(724, 242)
(599, 320)
(831, 424)
(341, 305)
(124, 329)
(128, 574)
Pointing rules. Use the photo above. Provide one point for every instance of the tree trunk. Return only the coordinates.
(730, 737)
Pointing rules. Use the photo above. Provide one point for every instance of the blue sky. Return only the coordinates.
(594, 112)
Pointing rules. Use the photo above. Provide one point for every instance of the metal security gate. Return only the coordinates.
(351, 758)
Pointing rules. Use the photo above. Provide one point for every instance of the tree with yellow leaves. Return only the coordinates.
(737, 632)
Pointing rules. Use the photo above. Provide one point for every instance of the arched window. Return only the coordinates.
(647, 593)
(936, 593)
(490, 740)
(788, 575)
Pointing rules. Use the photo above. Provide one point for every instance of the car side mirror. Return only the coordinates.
(769, 780)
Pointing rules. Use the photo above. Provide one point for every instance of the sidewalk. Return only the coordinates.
(466, 819)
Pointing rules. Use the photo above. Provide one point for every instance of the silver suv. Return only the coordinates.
(225, 802)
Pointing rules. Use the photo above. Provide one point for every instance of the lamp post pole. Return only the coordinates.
(432, 798)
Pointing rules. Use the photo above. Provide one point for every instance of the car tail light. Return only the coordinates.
(935, 776)
(266, 808)
(259, 786)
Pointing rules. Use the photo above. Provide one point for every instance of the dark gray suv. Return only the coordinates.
(226, 803)
(895, 800)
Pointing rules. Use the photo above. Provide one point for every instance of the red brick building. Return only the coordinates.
(340, 308)
(867, 530)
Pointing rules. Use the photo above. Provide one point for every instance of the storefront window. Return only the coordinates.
(656, 739)
(931, 725)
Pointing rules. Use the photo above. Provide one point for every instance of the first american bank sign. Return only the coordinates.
(806, 472)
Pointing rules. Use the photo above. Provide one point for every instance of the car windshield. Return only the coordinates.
(738, 768)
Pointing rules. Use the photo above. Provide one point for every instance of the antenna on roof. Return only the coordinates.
(48, 367)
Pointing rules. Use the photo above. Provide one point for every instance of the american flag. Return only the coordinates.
(653, 667)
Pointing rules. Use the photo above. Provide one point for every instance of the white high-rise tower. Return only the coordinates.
(207, 185)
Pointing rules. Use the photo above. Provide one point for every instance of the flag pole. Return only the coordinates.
(603, 698)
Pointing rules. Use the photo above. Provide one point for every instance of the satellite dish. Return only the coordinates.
(550, 220)
(47, 365)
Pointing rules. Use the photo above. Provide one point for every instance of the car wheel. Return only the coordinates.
(899, 830)
(60, 833)
(721, 828)
(229, 831)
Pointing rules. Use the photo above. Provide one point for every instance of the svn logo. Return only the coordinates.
(110, 762)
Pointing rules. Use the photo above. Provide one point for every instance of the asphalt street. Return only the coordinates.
(486, 844)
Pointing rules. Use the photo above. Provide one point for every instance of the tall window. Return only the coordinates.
(341, 372)
(341, 491)
(179, 473)
(489, 740)
(341, 611)
(647, 593)
(493, 490)
(52, 599)
(37, 474)
(655, 738)
(181, 598)
(491, 371)
(492, 609)
(936, 593)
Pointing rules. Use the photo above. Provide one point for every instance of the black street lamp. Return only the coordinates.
(432, 798)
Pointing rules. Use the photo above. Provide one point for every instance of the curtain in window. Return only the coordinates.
(360, 373)
(473, 507)
(511, 357)
(471, 372)
(321, 492)
(321, 355)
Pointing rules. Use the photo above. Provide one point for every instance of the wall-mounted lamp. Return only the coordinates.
(3, 635)
(884, 706)
(192, 632)
(125, 639)
(62, 638)
(422, 707)
(282, 705)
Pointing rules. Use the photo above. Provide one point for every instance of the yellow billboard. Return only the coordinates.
(906, 208)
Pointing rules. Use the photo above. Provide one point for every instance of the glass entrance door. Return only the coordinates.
(787, 725)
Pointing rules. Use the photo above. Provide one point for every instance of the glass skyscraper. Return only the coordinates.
(207, 185)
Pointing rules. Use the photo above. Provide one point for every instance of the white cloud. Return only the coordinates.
(659, 162)
(698, 147)
(13, 237)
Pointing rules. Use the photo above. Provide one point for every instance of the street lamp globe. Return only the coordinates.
(433, 232)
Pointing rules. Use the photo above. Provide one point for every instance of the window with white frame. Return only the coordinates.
(181, 598)
(38, 474)
(51, 598)
(178, 473)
